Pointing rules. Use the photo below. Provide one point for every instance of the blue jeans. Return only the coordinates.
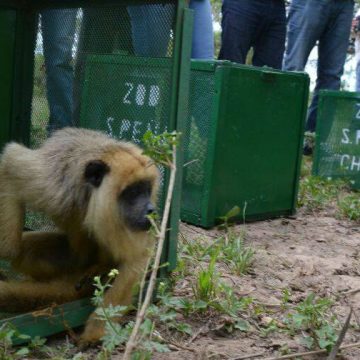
(151, 26)
(326, 21)
(260, 24)
(150, 39)
(58, 31)
(357, 86)
(203, 32)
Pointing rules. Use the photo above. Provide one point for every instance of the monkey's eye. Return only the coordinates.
(135, 190)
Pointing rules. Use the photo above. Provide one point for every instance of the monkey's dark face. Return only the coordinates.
(134, 202)
(135, 205)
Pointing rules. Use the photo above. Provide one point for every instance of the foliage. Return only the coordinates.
(9, 334)
(316, 193)
(206, 284)
(160, 147)
(349, 206)
(313, 317)
(236, 255)
(117, 334)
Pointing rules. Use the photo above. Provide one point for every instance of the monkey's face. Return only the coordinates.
(124, 190)
(135, 204)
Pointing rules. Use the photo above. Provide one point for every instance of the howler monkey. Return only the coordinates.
(98, 191)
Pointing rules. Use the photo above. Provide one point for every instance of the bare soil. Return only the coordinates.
(309, 253)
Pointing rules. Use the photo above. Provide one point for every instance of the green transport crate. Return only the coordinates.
(244, 142)
(110, 68)
(337, 144)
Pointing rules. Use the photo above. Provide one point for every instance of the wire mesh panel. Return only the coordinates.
(337, 150)
(118, 66)
(118, 61)
(141, 102)
(243, 145)
(197, 138)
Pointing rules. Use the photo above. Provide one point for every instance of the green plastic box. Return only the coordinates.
(337, 145)
(244, 141)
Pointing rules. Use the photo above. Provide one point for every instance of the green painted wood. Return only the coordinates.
(246, 131)
(51, 320)
(337, 147)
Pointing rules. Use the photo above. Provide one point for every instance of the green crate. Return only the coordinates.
(104, 35)
(243, 144)
(337, 147)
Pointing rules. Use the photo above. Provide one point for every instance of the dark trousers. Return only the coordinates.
(260, 24)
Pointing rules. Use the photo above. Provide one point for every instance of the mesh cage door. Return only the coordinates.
(337, 148)
(78, 73)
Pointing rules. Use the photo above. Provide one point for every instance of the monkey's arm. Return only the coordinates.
(121, 293)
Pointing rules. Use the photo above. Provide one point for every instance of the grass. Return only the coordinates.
(349, 207)
(236, 255)
(332, 196)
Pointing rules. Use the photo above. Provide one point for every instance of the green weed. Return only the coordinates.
(349, 207)
(313, 318)
(8, 334)
(206, 285)
(117, 334)
(236, 255)
(316, 193)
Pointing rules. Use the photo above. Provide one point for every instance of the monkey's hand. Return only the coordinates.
(94, 331)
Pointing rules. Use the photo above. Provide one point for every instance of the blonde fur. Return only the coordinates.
(91, 237)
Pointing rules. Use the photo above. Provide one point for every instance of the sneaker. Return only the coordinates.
(309, 144)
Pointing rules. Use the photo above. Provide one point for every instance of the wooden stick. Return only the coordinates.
(132, 342)
(341, 337)
(246, 357)
(309, 353)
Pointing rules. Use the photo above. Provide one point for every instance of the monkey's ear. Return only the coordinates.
(95, 171)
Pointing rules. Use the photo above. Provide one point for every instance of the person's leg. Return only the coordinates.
(203, 33)
(102, 31)
(240, 25)
(58, 30)
(333, 47)
(357, 86)
(270, 45)
(306, 21)
(150, 38)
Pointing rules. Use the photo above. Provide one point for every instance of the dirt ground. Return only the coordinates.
(308, 253)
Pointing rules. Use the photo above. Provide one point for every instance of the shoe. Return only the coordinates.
(309, 143)
(308, 150)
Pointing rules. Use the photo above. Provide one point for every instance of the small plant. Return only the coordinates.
(207, 282)
(225, 220)
(349, 207)
(117, 334)
(236, 255)
(316, 193)
(160, 147)
(8, 333)
(314, 318)
(286, 295)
